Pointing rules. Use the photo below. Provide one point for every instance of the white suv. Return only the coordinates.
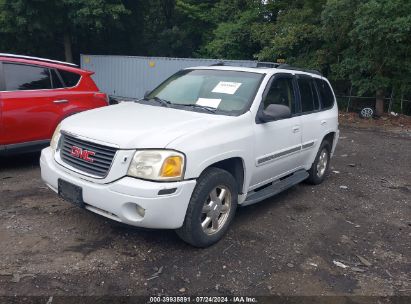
(205, 141)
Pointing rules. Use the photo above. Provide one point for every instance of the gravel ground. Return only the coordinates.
(349, 236)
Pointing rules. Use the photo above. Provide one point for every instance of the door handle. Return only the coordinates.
(323, 122)
(296, 129)
(61, 101)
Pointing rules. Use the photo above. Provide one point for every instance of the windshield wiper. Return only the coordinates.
(197, 106)
(163, 102)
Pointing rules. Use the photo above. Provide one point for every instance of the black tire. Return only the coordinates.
(315, 177)
(367, 113)
(192, 231)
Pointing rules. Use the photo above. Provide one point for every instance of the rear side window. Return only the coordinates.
(309, 98)
(326, 94)
(20, 77)
(70, 79)
(55, 80)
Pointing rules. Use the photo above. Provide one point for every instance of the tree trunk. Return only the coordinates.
(68, 53)
(379, 103)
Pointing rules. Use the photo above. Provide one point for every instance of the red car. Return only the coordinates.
(36, 94)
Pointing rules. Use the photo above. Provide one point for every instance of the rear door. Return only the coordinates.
(79, 93)
(28, 109)
(313, 120)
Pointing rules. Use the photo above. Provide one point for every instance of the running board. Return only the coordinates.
(275, 188)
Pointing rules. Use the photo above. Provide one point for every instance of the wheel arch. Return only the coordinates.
(236, 167)
(330, 137)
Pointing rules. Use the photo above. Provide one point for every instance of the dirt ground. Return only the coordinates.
(393, 123)
(349, 236)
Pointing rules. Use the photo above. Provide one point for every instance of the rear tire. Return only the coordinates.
(211, 209)
(321, 164)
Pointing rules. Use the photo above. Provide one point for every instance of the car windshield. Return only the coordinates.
(218, 91)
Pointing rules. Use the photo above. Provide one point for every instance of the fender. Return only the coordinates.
(224, 156)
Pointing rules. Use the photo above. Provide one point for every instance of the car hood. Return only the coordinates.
(132, 125)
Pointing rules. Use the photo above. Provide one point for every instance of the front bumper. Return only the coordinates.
(127, 200)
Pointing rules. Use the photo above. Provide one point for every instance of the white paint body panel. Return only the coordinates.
(203, 138)
(117, 199)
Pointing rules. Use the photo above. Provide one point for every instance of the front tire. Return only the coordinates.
(321, 164)
(211, 209)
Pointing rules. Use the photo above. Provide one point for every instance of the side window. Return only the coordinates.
(2, 86)
(70, 79)
(326, 94)
(315, 95)
(26, 77)
(308, 93)
(55, 80)
(281, 92)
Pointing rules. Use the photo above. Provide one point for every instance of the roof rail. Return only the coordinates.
(262, 64)
(288, 67)
(38, 59)
(220, 63)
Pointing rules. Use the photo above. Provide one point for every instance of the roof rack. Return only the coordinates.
(262, 64)
(38, 59)
(288, 67)
(220, 63)
(274, 65)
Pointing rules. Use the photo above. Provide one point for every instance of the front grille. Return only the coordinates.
(100, 162)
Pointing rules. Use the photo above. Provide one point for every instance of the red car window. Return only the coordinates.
(70, 79)
(56, 80)
(26, 77)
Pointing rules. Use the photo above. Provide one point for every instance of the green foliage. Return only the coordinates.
(366, 43)
(30, 25)
(375, 53)
(296, 37)
(234, 39)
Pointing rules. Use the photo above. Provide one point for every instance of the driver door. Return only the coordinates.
(277, 143)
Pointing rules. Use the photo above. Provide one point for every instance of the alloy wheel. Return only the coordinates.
(216, 210)
(322, 163)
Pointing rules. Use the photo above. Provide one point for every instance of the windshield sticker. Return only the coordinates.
(209, 102)
(227, 87)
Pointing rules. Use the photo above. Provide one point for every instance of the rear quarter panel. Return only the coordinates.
(83, 97)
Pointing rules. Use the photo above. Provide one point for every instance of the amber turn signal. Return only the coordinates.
(172, 167)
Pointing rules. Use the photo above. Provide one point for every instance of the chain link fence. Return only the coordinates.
(357, 103)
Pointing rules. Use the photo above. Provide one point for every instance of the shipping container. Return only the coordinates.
(132, 76)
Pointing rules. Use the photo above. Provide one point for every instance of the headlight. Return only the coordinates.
(159, 165)
(55, 139)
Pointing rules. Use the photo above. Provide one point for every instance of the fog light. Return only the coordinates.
(133, 212)
(141, 211)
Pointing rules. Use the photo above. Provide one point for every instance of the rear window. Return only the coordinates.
(326, 94)
(70, 79)
(19, 77)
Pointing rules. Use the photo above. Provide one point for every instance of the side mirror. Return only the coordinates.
(274, 112)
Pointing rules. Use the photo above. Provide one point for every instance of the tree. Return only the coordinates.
(295, 35)
(378, 52)
(233, 23)
(367, 42)
(233, 39)
(59, 21)
(364, 43)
